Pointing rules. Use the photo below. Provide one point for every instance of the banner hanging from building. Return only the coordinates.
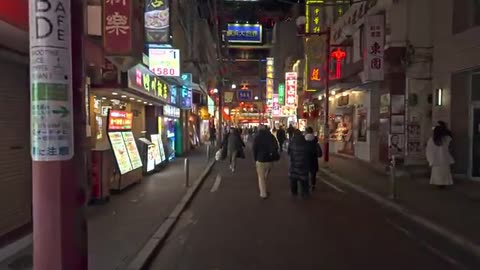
(314, 15)
(291, 88)
(117, 33)
(244, 33)
(157, 21)
(374, 45)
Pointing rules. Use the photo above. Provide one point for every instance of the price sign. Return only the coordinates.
(165, 62)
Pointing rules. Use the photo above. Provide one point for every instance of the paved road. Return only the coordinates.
(227, 227)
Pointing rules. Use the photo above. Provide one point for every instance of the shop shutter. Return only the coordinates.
(15, 161)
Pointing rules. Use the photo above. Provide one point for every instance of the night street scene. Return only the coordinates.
(240, 135)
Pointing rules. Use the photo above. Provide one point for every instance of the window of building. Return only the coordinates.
(466, 14)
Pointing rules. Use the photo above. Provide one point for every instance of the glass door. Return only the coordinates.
(475, 143)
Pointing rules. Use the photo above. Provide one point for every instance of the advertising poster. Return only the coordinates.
(398, 104)
(51, 81)
(132, 149)
(302, 124)
(156, 140)
(164, 62)
(151, 153)
(398, 124)
(396, 144)
(157, 21)
(120, 152)
(385, 103)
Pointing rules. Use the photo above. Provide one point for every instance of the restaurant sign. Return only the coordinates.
(164, 62)
(120, 120)
(171, 111)
(374, 48)
(291, 88)
(186, 91)
(270, 81)
(244, 33)
(281, 94)
(117, 21)
(141, 78)
(157, 21)
(244, 95)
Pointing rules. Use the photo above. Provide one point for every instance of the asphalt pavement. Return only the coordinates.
(228, 227)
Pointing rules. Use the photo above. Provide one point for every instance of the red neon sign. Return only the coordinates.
(120, 120)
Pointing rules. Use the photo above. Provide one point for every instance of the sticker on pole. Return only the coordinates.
(51, 80)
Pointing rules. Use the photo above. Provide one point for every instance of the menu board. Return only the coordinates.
(157, 155)
(151, 152)
(120, 152)
(132, 149)
(162, 150)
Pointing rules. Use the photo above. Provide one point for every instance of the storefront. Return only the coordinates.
(170, 127)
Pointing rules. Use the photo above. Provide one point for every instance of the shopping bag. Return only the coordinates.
(218, 155)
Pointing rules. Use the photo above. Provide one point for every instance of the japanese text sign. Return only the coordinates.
(281, 94)
(117, 36)
(120, 120)
(171, 111)
(165, 62)
(315, 73)
(173, 94)
(186, 91)
(142, 79)
(244, 95)
(291, 88)
(275, 105)
(374, 48)
(244, 33)
(157, 21)
(314, 16)
(270, 81)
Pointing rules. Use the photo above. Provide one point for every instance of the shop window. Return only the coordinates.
(466, 14)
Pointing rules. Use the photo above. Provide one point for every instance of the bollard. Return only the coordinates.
(187, 173)
(393, 181)
(208, 153)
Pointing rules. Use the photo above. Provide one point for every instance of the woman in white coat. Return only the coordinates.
(439, 158)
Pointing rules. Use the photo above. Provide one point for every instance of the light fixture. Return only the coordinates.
(344, 94)
(332, 92)
(132, 98)
(150, 104)
(124, 96)
(215, 90)
(114, 93)
(320, 97)
(256, 97)
(234, 86)
(104, 98)
(145, 102)
(139, 100)
(439, 97)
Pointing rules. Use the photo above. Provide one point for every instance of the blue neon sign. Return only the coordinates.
(244, 33)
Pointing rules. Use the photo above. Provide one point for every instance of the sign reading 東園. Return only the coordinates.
(165, 62)
(51, 81)
(244, 33)
(291, 88)
(374, 48)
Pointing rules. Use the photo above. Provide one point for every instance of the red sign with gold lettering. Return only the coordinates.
(117, 33)
(120, 120)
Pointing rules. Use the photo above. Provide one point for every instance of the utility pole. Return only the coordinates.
(58, 134)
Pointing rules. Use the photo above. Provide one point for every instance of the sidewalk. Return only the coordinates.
(455, 208)
(119, 228)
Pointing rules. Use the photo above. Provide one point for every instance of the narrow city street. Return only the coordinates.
(229, 227)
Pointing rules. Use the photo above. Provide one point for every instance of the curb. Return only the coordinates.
(142, 258)
(450, 236)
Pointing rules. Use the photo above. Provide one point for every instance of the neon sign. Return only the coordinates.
(120, 120)
(291, 81)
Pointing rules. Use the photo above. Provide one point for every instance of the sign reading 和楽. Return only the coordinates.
(51, 81)
(244, 33)
(117, 33)
(165, 62)
(374, 48)
(291, 88)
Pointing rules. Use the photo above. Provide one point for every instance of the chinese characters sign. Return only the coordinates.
(281, 94)
(142, 79)
(171, 111)
(314, 14)
(270, 83)
(157, 21)
(117, 36)
(315, 73)
(291, 88)
(186, 91)
(120, 120)
(165, 62)
(275, 106)
(244, 95)
(244, 33)
(51, 81)
(374, 48)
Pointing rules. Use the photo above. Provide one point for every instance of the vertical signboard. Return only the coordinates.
(374, 48)
(157, 21)
(291, 88)
(270, 81)
(275, 106)
(186, 91)
(281, 94)
(117, 33)
(313, 18)
(164, 62)
(51, 80)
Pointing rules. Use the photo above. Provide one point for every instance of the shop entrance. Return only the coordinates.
(475, 142)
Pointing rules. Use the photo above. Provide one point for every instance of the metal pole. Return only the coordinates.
(187, 173)
(326, 150)
(59, 180)
(393, 181)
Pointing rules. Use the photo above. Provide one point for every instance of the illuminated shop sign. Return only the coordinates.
(164, 62)
(291, 88)
(142, 79)
(157, 21)
(281, 94)
(120, 120)
(270, 81)
(186, 91)
(171, 111)
(244, 95)
(275, 106)
(314, 16)
(244, 33)
(173, 94)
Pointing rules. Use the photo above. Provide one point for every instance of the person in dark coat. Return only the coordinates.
(281, 137)
(301, 157)
(290, 131)
(213, 135)
(312, 142)
(265, 152)
(235, 147)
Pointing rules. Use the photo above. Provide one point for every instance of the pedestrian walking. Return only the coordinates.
(312, 142)
(281, 137)
(439, 157)
(290, 131)
(301, 157)
(265, 152)
(213, 135)
(235, 147)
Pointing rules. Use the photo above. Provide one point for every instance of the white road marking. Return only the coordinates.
(427, 246)
(333, 186)
(216, 185)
